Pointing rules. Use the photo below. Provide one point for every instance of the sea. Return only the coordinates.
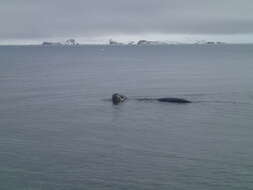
(60, 131)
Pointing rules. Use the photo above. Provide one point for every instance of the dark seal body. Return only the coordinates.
(174, 100)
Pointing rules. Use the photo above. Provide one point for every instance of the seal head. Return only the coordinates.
(117, 98)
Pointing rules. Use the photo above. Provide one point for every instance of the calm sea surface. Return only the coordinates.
(59, 131)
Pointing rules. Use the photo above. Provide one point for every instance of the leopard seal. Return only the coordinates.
(118, 98)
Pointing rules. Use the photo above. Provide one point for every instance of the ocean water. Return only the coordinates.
(59, 131)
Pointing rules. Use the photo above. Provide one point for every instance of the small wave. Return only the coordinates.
(222, 102)
(152, 99)
(107, 99)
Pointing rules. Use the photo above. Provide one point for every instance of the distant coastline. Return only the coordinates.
(74, 43)
(152, 43)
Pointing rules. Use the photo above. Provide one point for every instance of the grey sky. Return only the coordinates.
(48, 19)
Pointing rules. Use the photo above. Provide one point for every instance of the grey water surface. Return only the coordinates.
(59, 131)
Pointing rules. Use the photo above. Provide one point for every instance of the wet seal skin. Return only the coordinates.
(174, 100)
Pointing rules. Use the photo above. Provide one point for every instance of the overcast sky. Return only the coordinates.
(33, 20)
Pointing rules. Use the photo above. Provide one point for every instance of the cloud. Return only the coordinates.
(29, 19)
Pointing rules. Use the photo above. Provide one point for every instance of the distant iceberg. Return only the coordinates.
(203, 42)
(69, 42)
(138, 43)
(51, 44)
(146, 42)
(112, 42)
